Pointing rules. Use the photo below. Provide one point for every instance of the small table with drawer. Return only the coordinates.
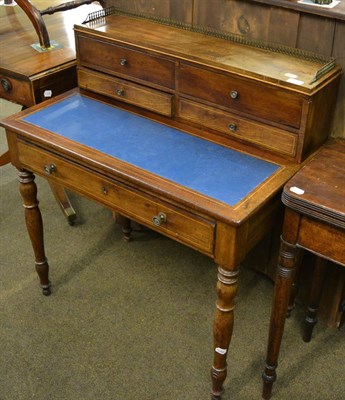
(314, 221)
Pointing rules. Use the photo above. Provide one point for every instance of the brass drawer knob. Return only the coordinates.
(234, 94)
(159, 219)
(6, 85)
(123, 62)
(120, 92)
(232, 127)
(49, 169)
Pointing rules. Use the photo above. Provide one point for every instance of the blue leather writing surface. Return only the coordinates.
(208, 168)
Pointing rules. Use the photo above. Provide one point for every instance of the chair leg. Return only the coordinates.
(64, 202)
(314, 298)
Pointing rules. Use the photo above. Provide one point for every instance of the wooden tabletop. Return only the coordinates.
(17, 35)
(318, 189)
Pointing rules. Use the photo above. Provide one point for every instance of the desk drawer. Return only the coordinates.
(128, 92)
(180, 225)
(17, 90)
(269, 103)
(125, 62)
(262, 135)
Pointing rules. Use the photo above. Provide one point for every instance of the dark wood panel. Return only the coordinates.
(182, 10)
(239, 17)
(316, 34)
(159, 8)
(283, 26)
(338, 128)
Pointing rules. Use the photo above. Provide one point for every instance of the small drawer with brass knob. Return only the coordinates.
(129, 92)
(125, 62)
(234, 126)
(241, 95)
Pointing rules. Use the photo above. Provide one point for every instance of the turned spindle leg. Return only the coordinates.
(125, 224)
(314, 298)
(34, 226)
(284, 279)
(294, 286)
(222, 329)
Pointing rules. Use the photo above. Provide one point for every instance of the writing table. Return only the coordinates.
(191, 134)
(217, 200)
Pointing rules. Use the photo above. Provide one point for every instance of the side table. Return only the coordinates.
(314, 221)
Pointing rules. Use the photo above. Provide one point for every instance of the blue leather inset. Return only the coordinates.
(213, 170)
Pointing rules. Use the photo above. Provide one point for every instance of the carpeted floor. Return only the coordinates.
(133, 321)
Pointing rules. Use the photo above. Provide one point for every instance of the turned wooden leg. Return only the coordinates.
(295, 287)
(284, 279)
(63, 201)
(314, 298)
(223, 327)
(125, 224)
(34, 226)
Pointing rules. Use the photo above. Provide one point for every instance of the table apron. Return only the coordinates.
(181, 224)
(322, 239)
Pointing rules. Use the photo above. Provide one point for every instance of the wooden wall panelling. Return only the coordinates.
(283, 26)
(159, 8)
(316, 34)
(180, 10)
(338, 127)
(236, 16)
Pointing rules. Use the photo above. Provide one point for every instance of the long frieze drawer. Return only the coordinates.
(262, 135)
(171, 221)
(128, 92)
(126, 62)
(269, 103)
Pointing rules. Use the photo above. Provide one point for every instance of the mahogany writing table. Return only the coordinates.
(314, 221)
(191, 134)
(212, 198)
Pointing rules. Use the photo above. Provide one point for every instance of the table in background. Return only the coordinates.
(28, 76)
(314, 221)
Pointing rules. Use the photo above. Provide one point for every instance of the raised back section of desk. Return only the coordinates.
(287, 22)
(254, 96)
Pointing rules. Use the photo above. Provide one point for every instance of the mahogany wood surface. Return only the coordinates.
(29, 72)
(283, 22)
(260, 83)
(29, 77)
(218, 230)
(286, 22)
(132, 64)
(314, 221)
